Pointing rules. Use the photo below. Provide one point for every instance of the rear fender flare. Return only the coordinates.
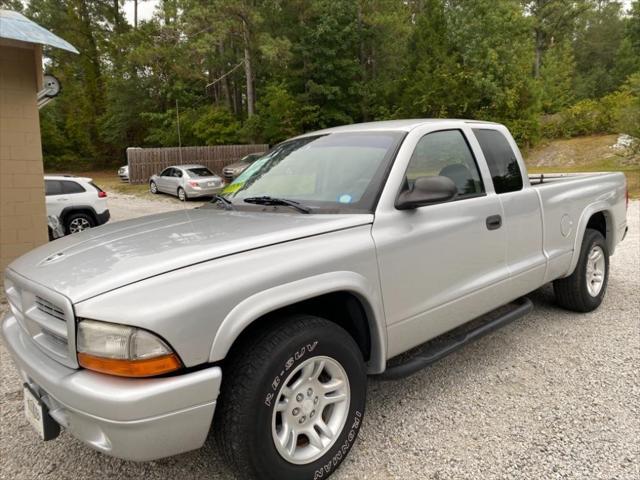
(600, 206)
(78, 208)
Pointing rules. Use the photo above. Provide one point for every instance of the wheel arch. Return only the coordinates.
(600, 218)
(341, 297)
(88, 209)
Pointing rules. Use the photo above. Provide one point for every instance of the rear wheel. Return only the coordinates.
(585, 288)
(292, 402)
(182, 195)
(78, 222)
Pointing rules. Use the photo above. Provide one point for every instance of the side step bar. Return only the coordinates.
(432, 355)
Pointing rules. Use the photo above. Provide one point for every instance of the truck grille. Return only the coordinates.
(46, 316)
(49, 308)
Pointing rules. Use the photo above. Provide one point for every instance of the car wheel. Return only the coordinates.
(153, 188)
(78, 222)
(292, 402)
(585, 288)
(182, 195)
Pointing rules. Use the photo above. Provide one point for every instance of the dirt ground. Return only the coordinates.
(555, 395)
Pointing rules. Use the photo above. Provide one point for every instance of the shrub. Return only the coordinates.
(618, 112)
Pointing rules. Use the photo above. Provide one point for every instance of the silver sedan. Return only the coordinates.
(186, 181)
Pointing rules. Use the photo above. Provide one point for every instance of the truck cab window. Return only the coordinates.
(446, 153)
(502, 162)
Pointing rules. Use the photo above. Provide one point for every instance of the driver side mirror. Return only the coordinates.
(426, 191)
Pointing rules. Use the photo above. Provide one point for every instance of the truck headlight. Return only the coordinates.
(122, 350)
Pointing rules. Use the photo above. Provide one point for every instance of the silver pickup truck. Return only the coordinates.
(339, 254)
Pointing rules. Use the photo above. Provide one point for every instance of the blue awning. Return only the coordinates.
(15, 26)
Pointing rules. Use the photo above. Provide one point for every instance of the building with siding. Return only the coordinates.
(23, 220)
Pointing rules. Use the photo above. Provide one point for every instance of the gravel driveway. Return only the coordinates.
(554, 395)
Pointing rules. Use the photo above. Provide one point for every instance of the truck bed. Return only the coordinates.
(567, 202)
(555, 177)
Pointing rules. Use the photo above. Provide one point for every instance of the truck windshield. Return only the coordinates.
(341, 172)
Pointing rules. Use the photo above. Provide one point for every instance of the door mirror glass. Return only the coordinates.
(425, 191)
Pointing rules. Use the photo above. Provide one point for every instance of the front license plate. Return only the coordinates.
(34, 412)
(38, 416)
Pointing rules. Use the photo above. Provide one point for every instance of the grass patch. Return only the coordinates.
(591, 153)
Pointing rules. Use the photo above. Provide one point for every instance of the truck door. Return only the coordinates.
(440, 265)
(522, 212)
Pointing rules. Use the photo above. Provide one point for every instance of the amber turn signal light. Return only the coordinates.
(149, 367)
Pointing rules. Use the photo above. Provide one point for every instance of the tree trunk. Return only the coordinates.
(538, 58)
(248, 70)
(135, 13)
(226, 91)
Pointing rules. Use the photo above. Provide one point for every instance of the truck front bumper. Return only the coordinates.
(133, 419)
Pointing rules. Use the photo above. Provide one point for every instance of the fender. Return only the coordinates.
(259, 304)
(597, 207)
(74, 208)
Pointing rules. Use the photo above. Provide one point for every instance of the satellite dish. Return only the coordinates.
(51, 86)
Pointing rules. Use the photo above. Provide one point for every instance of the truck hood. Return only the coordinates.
(95, 261)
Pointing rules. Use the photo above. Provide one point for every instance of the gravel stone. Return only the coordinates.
(554, 395)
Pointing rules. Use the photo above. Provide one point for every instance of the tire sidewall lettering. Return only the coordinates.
(293, 359)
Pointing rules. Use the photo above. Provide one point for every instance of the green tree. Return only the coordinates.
(596, 46)
(556, 78)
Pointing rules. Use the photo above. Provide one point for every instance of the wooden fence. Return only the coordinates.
(144, 162)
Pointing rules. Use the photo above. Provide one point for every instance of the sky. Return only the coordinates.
(145, 9)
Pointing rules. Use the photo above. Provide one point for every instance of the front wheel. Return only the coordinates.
(153, 188)
(292, 401)
(585, 288)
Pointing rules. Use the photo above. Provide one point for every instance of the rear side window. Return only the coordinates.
(502, 162)
(446, 153)
(71, 187)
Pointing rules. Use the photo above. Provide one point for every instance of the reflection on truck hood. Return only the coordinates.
(88, 263)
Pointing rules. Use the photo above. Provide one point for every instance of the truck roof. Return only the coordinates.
(391, 125)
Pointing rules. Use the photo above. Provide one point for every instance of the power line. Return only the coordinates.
(226, 74)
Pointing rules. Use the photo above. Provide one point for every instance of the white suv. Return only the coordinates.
(76, 201)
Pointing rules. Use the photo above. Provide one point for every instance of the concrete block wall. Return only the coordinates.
(23, 224)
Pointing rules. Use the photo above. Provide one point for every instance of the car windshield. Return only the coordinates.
(200, 172)
(252, 157)
(336, 172)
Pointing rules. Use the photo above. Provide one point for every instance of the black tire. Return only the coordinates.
(77, 222)
(254, 374)
(572, 292)
(184, 198)
(153, 187)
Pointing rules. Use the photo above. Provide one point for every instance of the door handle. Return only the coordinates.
(494, 222)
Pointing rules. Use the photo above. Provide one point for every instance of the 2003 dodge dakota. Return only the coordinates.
(259, 316)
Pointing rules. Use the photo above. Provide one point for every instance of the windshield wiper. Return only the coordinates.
(266, 200)
(225, 202)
